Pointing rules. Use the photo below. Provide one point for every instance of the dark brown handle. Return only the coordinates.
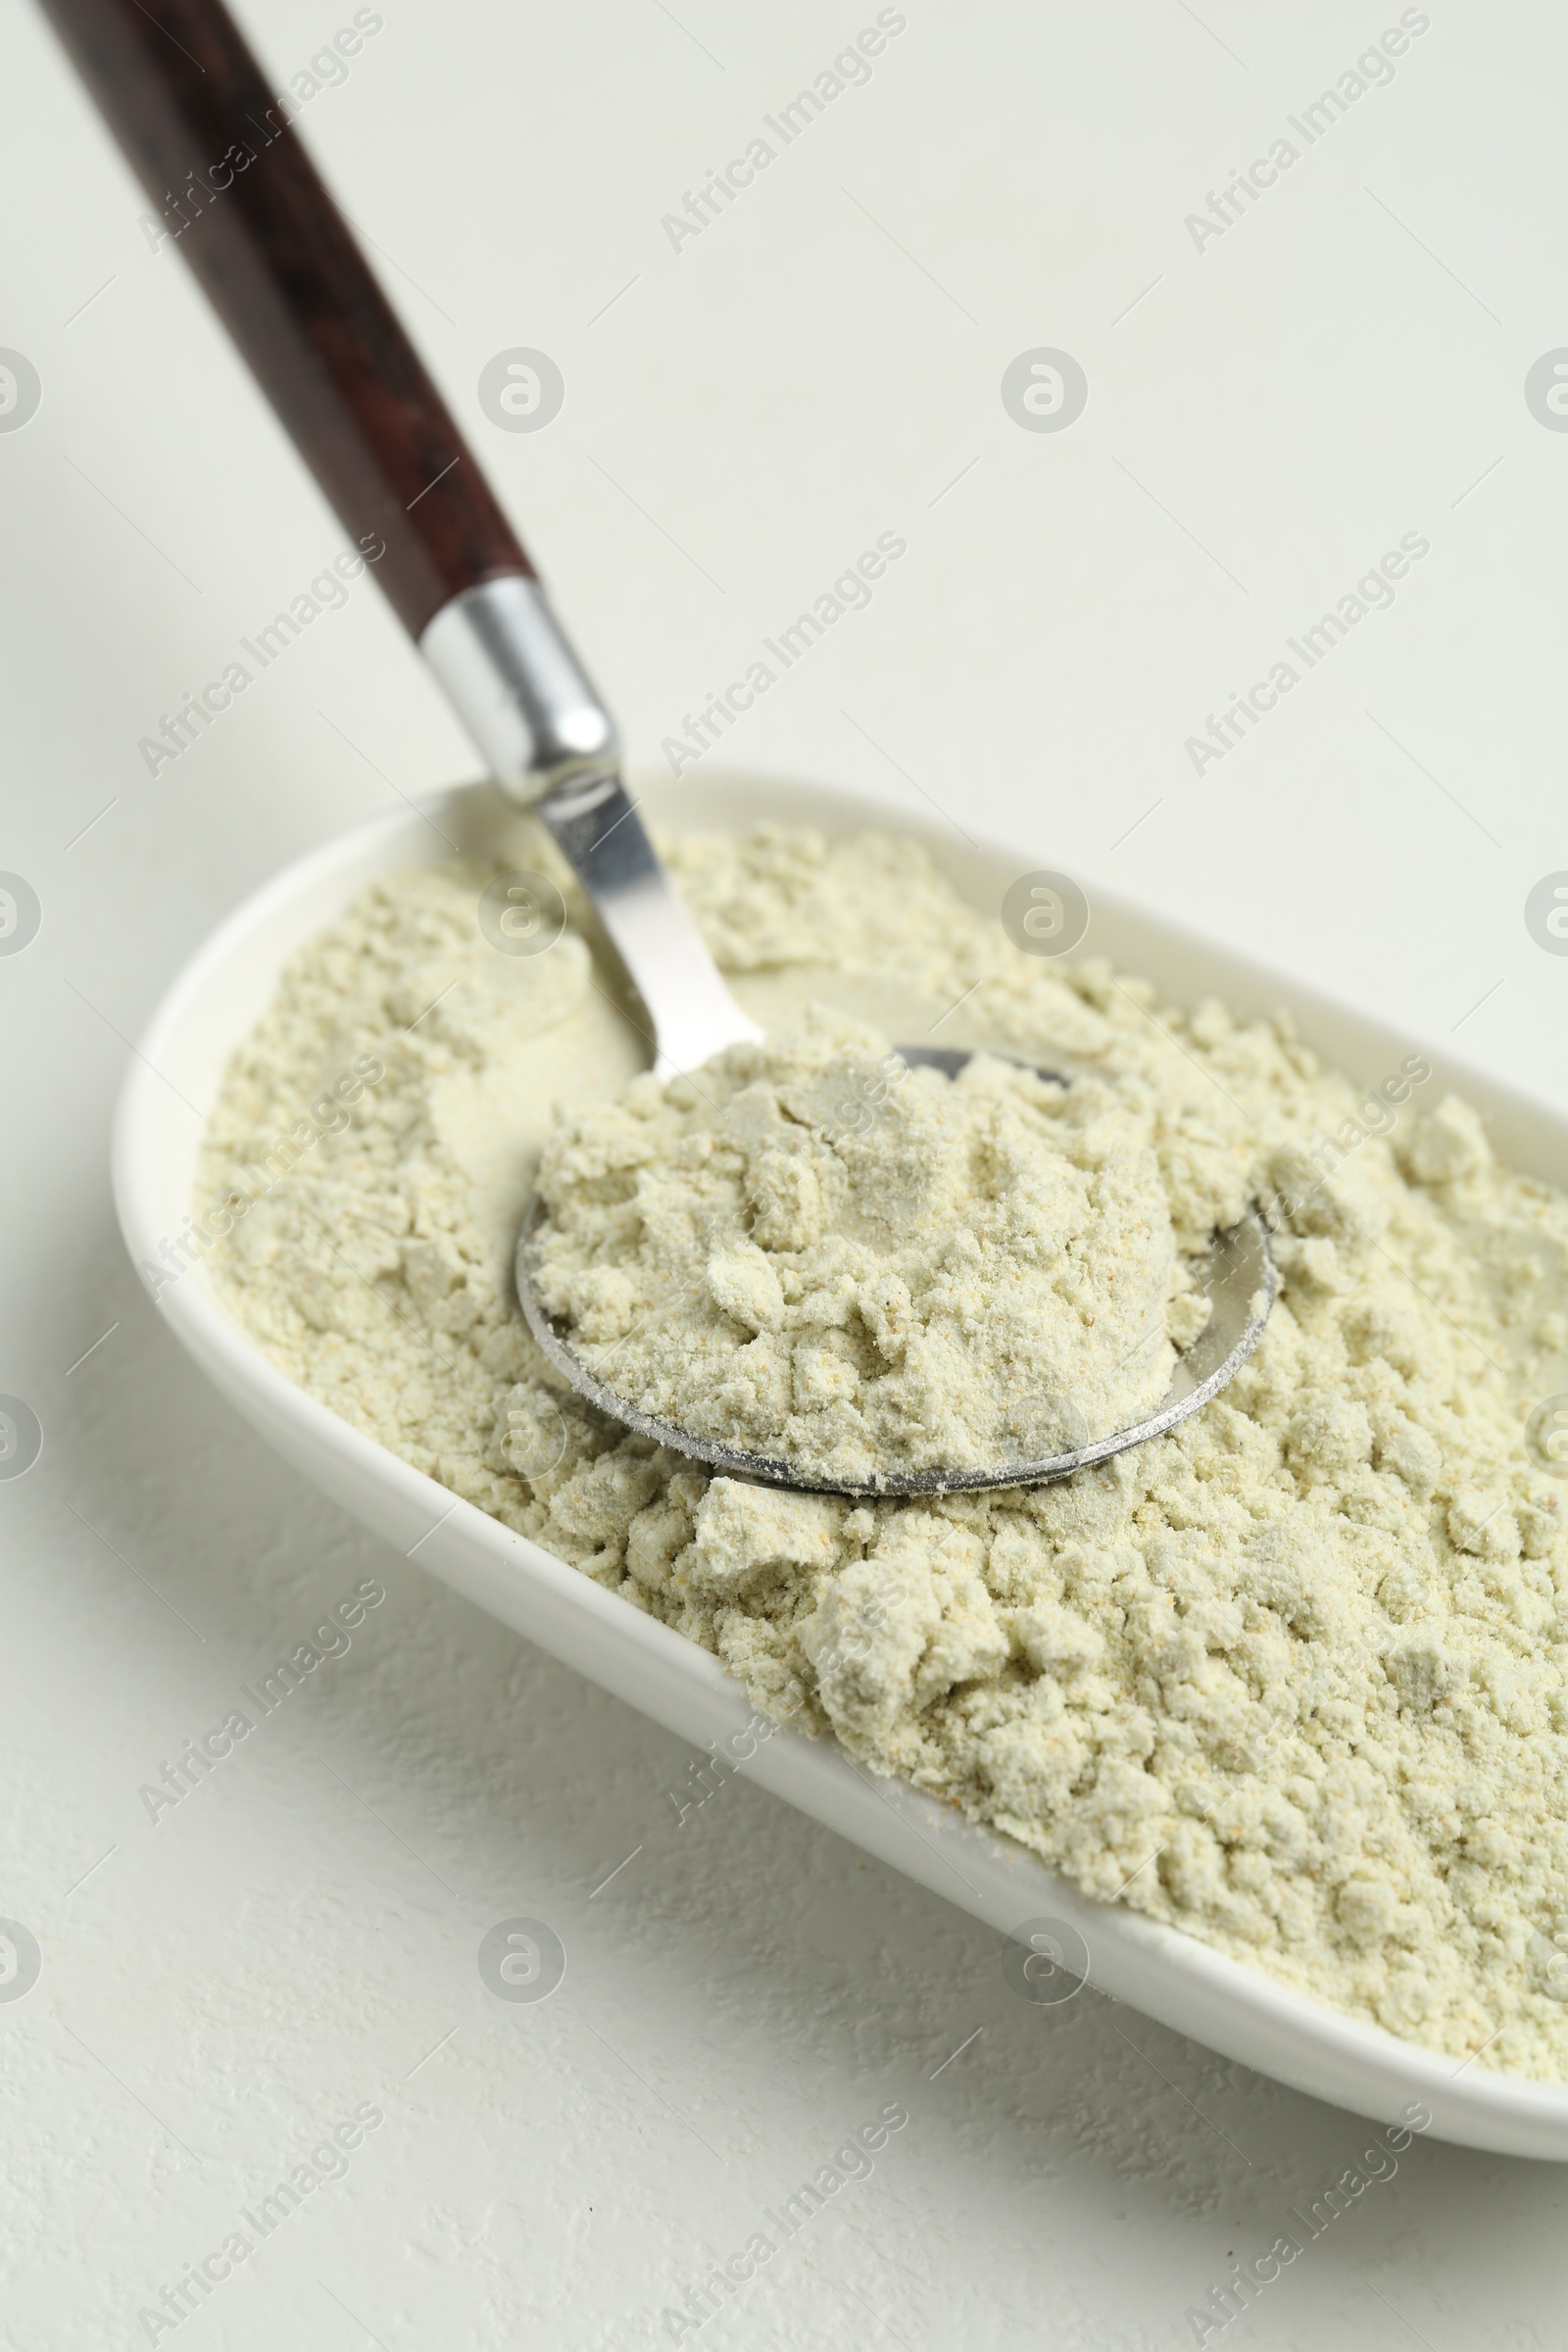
(215, 151)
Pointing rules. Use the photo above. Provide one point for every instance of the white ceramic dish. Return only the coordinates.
(210, 1008)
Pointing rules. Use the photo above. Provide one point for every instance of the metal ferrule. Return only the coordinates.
(519, 688)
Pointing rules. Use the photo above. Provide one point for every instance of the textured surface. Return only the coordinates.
(300, 1934)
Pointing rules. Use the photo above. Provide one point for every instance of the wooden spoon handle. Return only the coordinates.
(214, 149)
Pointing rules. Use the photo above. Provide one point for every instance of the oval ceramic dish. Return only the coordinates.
(210, 1008)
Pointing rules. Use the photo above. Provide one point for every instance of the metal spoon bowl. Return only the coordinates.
(1238, 1278)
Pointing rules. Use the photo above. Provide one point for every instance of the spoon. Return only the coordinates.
(221, 160)
(694, 1016)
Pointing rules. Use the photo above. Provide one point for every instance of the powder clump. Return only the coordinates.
(812, 1252)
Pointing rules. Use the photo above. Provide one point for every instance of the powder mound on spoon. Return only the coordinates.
(807, 1250)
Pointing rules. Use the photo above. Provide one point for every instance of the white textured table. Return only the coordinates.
(1270, 407)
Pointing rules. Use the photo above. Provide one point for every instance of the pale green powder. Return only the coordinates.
(1292, 1678)
(813, 1253)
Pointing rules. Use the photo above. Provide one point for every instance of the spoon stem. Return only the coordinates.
(603, 839)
